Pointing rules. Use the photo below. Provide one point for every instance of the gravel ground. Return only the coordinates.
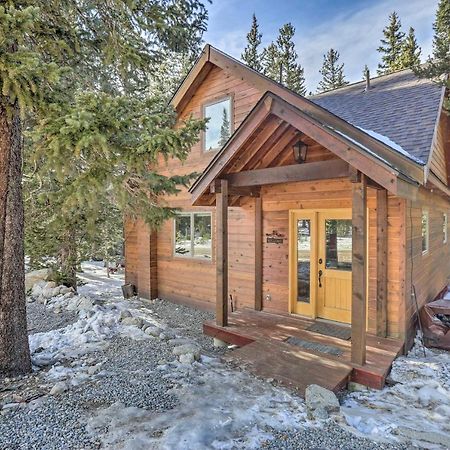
(41, 319)
(129, 375)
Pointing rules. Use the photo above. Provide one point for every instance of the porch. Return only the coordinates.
(283, 348)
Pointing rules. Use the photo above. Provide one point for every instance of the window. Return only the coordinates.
(445, 227)
(218, 128)
(338, 244)
(425, 231)
(193, 235)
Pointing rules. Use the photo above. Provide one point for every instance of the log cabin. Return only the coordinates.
(318, 226)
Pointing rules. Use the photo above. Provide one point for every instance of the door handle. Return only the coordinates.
(320, 278)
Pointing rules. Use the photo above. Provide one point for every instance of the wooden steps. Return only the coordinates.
(291, 366)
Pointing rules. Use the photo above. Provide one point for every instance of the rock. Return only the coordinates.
(320, 402)
(132, 321)
(153, 331)
(33, 277)
(219, 343)
(59, 388)
(85, 303)
(49, 291)
(431, 437)
(36, 291)
(185, 349)
(187, 358)
(167, 334)
(124, 314)
(64, 290)
(73, 304)
(356, 387)
(57, 310)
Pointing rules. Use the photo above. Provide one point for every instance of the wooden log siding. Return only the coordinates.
(359, 270)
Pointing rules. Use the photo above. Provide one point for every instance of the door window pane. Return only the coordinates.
(183, 235)
(202, 235)
(218, 128)
(338, 242)
(303, 260)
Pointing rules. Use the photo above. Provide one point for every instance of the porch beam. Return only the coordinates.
(382, 229)
(359, 270)
(243, 191)
(258, 254)
(222, 254)
(335, 168)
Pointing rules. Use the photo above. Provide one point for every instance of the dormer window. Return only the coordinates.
(219, 125)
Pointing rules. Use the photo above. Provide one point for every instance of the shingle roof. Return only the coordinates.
(399, 106)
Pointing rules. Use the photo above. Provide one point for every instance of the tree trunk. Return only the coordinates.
(14, 349)
(68, 259)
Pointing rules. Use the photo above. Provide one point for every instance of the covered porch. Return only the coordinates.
(291, 154)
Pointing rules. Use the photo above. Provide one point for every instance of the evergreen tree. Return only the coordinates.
(82, 85)
(251, 54)
(410, 56)
(391, 47)
(224, 129)
(365, 71)
(332, 72)
(438, 65)
(291, 72)
(270, 62)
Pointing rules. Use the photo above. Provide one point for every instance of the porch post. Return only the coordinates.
(222, 254)
(258, 253)
(382, 226)
(359, 268)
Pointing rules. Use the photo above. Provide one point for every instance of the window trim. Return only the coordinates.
(191, 257)
(427, 232)
(445, 227)
(214, 101)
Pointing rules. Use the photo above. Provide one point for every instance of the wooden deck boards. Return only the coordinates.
(261, 337)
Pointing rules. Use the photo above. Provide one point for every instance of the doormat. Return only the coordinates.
(308, 345)
(330, 329)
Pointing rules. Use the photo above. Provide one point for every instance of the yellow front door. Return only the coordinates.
(321, 264)
(334, 291)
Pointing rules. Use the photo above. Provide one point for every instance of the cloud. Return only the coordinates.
(355, 34)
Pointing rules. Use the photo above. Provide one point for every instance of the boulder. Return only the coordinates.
(124, 314)
(153, 331)
(33, 277)
(185, 349)
(36, 291)
(132, 321)
(320, 402)
(187, 358)
(84, 303)
(59, 388)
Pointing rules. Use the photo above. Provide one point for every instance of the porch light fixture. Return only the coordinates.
(300, 152)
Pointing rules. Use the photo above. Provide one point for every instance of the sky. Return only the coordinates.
(353, 27)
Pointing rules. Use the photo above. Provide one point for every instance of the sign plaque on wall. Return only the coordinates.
(275, 237)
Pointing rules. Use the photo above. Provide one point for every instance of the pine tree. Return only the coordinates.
(251, 54)
(438, 65)
(365, 71)
(270, 62)
(291, 72)
(224, 129)
(410, 55)
(391, 47)
(332, 72)
(81, 84)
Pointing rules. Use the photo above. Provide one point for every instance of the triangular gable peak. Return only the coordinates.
(264, 141)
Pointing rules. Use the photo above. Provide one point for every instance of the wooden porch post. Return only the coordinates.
(222, 254)
(359, 266)
(382, 226)
(258, 253)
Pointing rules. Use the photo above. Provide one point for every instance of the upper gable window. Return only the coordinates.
(219, 125)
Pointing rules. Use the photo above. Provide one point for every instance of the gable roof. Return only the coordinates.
(399, 106)
(384, 146)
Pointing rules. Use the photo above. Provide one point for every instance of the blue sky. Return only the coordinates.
(353, 27)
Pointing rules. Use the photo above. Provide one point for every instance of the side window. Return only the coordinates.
(193, 235)
(425, 231)
(219, 125)
(445, 227)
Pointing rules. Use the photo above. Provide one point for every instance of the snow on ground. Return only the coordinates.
(416, 408)
(209, 404)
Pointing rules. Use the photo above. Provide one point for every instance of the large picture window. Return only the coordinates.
(193, 235)
(218, 128)
(425, 231)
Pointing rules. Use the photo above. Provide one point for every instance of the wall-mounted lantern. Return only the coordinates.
(300, 152)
